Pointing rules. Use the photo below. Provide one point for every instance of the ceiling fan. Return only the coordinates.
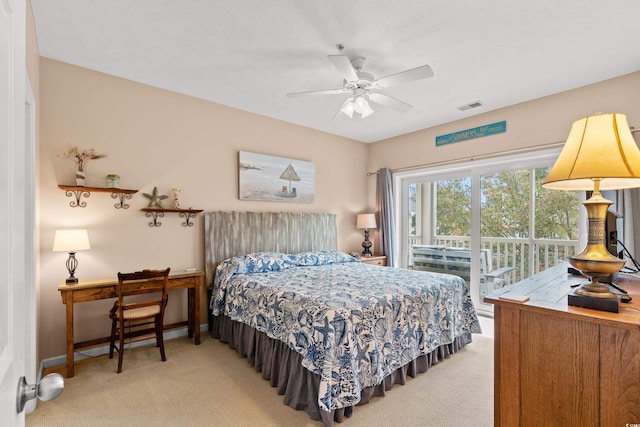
(364, 88)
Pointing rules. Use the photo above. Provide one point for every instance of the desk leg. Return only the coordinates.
(70, 361)
(191, 307)
(196, 309)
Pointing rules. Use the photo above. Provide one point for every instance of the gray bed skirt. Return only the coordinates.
(282, 367)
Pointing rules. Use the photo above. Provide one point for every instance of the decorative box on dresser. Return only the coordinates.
(374, 260)
(558, 365)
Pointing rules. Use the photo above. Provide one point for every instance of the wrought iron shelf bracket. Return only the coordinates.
(155, 213)
(122, 197)
(80, 192)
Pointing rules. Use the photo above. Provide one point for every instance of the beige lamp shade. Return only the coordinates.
(599, 148)
(366, 221)
(600, 154)
(71, 240)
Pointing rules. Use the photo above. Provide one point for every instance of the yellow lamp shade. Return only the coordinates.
(599, 147)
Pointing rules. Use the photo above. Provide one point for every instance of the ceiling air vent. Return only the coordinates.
(475, 104)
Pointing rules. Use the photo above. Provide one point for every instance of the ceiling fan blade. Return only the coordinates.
(318, 92)
(343, 64)
(390, 102)
(407, 76)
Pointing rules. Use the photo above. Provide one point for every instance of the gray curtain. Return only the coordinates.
(628, 205)
(386, 233)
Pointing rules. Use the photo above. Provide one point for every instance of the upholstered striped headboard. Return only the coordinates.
(234, 233)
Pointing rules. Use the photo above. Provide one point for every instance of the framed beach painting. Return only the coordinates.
(275, 179)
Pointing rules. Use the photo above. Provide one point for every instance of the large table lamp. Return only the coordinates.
(599, 154)
(366, 221)
(71, 241)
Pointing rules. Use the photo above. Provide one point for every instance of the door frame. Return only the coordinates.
(31, 239)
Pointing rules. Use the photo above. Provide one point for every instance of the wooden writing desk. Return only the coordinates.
(561, 365)
(97, 289)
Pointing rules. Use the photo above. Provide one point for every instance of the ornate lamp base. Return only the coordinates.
(594, 288)
(366, 244)
(595, 262)
(611, 305)
(72, 264)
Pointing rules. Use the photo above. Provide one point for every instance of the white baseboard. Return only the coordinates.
(99, 351)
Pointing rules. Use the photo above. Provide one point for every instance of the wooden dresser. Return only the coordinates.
(557, 365)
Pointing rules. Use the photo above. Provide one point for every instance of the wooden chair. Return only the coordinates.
(135, 319)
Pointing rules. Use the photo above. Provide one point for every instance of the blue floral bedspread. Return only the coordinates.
(353, 323)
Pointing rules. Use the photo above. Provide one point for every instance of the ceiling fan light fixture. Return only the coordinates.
(348, 107)
(361, 104)
(357, 104)
(367, 111)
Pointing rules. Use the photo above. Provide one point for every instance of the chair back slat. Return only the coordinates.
(143, 282)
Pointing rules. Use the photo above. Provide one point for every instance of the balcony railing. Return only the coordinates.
(527, 256)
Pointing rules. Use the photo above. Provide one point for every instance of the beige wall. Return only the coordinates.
(159, 138)
(531, 124)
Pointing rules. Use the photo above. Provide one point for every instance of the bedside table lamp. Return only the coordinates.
(600, 154)
(366, 221)
(71, 241)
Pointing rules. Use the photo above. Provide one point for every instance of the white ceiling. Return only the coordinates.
(248, 54)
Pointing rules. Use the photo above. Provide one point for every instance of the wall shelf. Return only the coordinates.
(156, 213)
(79, 192)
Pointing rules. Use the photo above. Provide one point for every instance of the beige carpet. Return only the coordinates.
(209, 385)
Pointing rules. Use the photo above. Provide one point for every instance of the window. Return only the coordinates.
(491, 224)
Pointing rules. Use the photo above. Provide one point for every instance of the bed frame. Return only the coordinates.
(234, 233)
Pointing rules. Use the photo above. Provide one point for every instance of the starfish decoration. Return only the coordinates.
(155, 199)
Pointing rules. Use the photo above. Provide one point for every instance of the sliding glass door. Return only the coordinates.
(491, 224)
(439, 226)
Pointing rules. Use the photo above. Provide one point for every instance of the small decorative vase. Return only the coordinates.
(80, 178)
(113, 181)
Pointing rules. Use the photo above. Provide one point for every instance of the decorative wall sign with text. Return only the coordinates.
(479, 132)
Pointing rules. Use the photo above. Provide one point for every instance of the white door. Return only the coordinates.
(16, 215)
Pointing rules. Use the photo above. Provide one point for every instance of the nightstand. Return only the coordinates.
(374, 260)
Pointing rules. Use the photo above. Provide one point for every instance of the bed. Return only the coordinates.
(328, 331)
